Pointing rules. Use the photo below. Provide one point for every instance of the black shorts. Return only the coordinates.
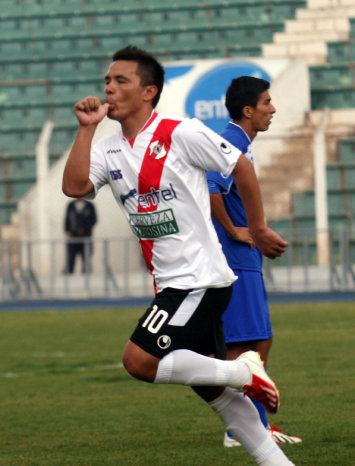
(184, 319)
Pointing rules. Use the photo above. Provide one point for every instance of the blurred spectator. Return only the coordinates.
(80, 219)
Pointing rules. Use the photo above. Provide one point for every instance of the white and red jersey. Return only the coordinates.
(159, 181)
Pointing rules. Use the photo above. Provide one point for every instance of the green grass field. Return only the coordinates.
(66, 400)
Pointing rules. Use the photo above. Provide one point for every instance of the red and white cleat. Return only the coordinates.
(261, 387)
(282, 438)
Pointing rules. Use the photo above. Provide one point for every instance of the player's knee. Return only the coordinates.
(139, 367)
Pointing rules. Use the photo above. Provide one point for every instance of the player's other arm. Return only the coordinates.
(269, 242)
(76, 182)
(220, 214)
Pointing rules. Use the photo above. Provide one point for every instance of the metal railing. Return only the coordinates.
(36, 270)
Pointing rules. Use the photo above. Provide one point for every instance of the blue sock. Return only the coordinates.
(261, 410)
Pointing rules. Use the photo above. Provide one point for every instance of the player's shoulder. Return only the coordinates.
(108, 142)
(186, 123)
(234, 134)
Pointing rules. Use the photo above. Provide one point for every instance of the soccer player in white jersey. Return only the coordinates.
(155, 166)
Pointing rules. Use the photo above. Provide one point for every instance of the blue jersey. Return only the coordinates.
(239, 255)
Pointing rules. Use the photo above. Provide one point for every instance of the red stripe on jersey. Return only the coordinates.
(151, 172)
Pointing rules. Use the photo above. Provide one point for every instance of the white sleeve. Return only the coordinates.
(206, 149)
(98, 168)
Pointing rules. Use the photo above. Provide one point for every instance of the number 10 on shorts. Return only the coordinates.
(156, 318)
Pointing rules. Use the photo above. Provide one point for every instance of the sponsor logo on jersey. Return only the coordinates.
(157, 150)
(124, 197)
(151, 199)
(113, 151)
(116, 174)
(155, 196)
(164, 341)
(153, 225)
(225, 148)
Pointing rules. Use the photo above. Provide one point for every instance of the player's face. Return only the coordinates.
(263, 112)
(123, 90)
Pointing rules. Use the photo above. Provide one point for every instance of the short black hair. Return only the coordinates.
(244, 91)
(150, 70)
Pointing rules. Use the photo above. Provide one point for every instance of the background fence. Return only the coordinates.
(36, 270)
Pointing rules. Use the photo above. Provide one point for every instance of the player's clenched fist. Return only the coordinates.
(270, 243)
(90, 111)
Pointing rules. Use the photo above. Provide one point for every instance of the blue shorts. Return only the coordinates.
(247, 316)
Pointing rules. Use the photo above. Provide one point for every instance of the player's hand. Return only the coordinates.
(270, 243)
(90, 111)
(242, 235)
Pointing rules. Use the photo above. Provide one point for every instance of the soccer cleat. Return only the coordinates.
(230, 441)
(261, 388)
(282, 438)
(277, 435)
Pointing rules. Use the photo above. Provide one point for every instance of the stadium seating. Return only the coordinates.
(333, 84)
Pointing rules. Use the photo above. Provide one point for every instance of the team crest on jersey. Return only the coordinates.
(157, 150)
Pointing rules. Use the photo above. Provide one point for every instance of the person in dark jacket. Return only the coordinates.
(80, 219)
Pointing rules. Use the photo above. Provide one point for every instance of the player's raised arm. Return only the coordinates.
(89, 112)
(269, 243)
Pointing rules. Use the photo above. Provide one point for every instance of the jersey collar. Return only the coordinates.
(246, 134)
(150, 120)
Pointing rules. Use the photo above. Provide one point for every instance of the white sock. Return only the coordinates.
(188, 368)
(242, 420)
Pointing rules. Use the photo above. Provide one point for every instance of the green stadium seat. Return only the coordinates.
(6, 210)
(12, 49)
(337, 221)
(241, 13)
(114, 22)
(285, 9)
(16, 187)
(109, 44)
(333, 97)
(337, 201)
(64, 115)
(334, 176)
(9, 27)
(349, 172)
(341, 175)
(18, 139)
(339, 74)
(303, 203)
(244, 51)
(347, 150)
(305, 223)
(23, 115)
(188, 17)
(247, 34)
(340, 52)
(15, 165)
(283, 226)
(352, 202)
(352, 27)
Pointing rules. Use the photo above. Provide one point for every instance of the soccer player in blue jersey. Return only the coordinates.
(246, 320)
